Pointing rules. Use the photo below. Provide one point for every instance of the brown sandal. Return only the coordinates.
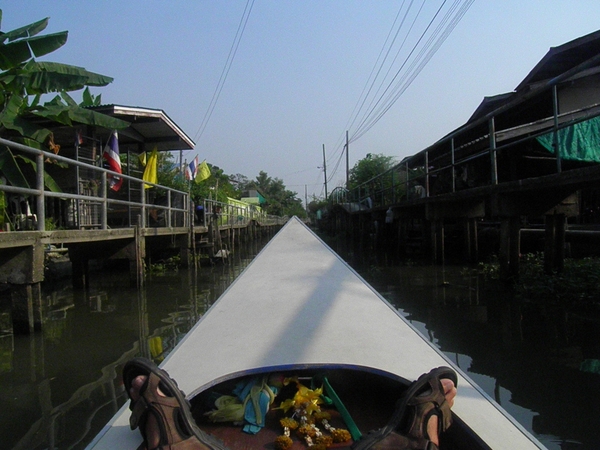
(407, 429)
(176, 427)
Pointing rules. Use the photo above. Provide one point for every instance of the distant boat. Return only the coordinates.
(300, 310)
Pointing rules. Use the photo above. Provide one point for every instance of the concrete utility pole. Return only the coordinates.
(325, 171)
(306, 198)
(347, 162)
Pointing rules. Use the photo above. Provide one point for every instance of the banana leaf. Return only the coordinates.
(89, 100)
(48, 180)
(44, 77)
(11, 119)
(54, 110)
(26, 31)
(15, 53)
(67, 114)
(11, 170)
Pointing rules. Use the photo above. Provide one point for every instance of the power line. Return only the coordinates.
(427, 44)
(364, 95)
(370, 113)
(395, 57)
(433, 44)
(232, 52)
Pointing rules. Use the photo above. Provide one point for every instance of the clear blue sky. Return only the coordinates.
(300, 69)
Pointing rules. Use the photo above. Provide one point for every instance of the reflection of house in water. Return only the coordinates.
(54, 314)
(64, 423)
(7, 343)
(57, 305)
(100, 303)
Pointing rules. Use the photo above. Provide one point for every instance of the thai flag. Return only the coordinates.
(78, 138)
(111, 155)
(192, 169)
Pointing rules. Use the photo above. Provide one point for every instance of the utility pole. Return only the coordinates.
(347, 162)
(325, 171)
(306, 199)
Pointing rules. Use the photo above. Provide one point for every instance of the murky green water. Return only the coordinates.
(60, 386)
(541, 363)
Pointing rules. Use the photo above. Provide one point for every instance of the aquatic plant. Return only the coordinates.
(161, 267)
(576, 286)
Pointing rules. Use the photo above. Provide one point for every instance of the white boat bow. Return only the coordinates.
(299, 304)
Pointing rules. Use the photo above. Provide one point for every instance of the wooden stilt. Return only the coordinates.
(554, 249)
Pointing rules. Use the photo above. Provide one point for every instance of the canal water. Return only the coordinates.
(61, 385)
(541, 363)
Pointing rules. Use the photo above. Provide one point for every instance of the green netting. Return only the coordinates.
(579, 142)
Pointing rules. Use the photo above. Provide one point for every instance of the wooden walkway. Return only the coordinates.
(23, 256)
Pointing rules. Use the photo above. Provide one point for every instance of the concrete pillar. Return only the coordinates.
(26, 302)
(22, 268)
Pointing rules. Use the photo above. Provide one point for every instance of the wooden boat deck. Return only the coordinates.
(298, 305)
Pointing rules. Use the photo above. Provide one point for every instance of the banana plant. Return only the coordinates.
(23, 83)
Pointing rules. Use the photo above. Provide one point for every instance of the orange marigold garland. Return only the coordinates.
(283, 442)
(288, 422)
(340, 435)
(306, 410)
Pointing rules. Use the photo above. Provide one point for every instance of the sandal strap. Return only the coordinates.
(149, 397)
(445, 418)
(138, 412)
(176, 427)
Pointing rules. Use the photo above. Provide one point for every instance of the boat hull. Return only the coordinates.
(299, 305)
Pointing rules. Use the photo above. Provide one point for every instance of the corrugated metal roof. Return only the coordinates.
(561, 59)
(153, 127)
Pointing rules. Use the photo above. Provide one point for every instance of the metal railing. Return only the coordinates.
(175, 210)
(226, 214)
(412, 178)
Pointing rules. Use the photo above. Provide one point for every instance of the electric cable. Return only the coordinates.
(226, 68)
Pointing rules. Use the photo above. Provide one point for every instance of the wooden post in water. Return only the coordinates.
(554, 250)
(510, 247)
(438, 251)
(514, 251)
(470, 239)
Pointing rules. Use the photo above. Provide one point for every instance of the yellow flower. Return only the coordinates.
(305, 398)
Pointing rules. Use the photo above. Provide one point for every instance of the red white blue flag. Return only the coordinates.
(78, 138)
(192, 169)
(113, 160)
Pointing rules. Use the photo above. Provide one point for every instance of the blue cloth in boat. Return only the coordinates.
(257, 396)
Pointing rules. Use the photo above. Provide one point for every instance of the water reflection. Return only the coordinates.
(539, 362)
(60, 386)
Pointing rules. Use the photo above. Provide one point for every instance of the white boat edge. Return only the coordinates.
(316, 293)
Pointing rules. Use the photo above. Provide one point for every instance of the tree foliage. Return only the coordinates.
(279, 200)
(369, 167)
